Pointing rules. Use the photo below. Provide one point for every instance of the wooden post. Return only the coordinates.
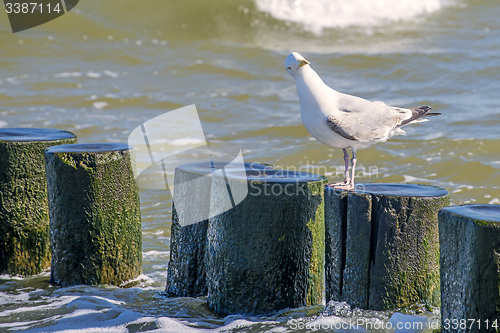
(267, 253)
(186, 275)
(95, 216)
(194, 187)
(335, 229)
(470, 268)
(386, 254)
(24, 212)
(356, 275)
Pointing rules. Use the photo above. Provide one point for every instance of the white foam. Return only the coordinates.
(93, 75)
(111, 73)
(10, 299)
(86, 314)
(494, 201)
(185, 141)
(68, 74)
(409, 323)
(320, 14)
(157, 232)
(169, 325)
(155, 254)
(10, 277)
(54, 305)
(100, 104)
(409, 179)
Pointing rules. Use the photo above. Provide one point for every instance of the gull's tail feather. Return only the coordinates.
(419, 112)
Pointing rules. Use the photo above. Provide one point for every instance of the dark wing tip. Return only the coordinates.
(422, 108)
(418, 112)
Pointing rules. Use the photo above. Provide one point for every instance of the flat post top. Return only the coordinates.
(34, 134)
(252, 172)
(88, 148)
(399, 190)
(480, 212)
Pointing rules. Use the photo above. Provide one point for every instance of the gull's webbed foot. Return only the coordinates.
(346, 187)
(345, 182)
(342, 186)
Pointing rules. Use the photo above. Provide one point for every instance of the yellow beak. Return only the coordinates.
(303, 63)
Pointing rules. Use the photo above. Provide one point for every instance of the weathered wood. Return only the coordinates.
(470, 267)
(196, 190)
(405, 268)
(267, 253)
(95, 216)
(335, 229)
(391, 246)
(356, 276)
(24, 212)
(186, 275)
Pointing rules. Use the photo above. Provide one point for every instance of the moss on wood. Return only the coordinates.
(316, 225)
(393, 241)
(24, 213)
(95, 217)
(405, 268)
(267, 253)
(470, 264)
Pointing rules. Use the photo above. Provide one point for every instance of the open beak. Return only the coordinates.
(303, 63)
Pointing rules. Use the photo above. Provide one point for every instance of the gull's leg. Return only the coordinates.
(353, 162)
(348, 184)
(346, 160)
(347, 179)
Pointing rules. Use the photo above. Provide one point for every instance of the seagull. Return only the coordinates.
(344, 121)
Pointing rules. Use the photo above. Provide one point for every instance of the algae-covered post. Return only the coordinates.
(95, 216)
(335, 228)
(267, 253)
(470, 268)
(197, 192)
(389, 252)
(24, 213)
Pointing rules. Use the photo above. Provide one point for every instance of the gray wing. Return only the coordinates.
(364, 121)
(335, 126)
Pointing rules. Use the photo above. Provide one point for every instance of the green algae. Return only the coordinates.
(24, 212)
(470, 265)
(267, 253)
(409, 227)
(316, 226)
(95, 217)
(397, 247)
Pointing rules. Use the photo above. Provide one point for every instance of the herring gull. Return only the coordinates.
(344, 121)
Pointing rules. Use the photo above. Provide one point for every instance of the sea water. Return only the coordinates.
(107, 66)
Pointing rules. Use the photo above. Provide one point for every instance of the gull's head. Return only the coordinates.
(294, 63)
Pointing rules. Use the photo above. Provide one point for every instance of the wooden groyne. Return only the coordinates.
(24, 213)
(95, 216)
(382, 245)
(253, 239)
(470, 268)
(193, 192)
(267, 252)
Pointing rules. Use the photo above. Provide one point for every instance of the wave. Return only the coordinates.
(241, 20)
(320, 14)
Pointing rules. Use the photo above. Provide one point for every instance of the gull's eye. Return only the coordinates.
(289, 67)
